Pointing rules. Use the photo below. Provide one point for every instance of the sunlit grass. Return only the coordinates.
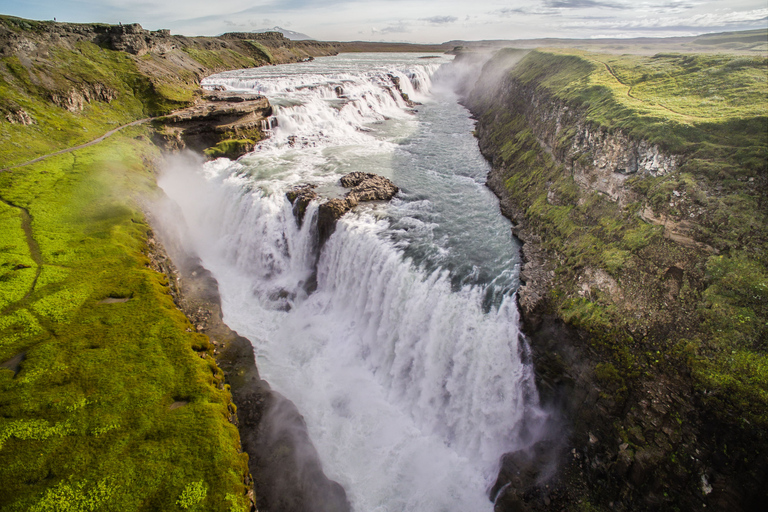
(88, 415)
(711, 112)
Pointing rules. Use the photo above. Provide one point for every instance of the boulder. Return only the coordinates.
(364, 187)
(300, 197)
(368, 187)
(327, 215)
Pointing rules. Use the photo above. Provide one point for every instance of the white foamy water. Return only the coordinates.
(406, 360)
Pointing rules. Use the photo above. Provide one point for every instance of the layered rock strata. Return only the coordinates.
(221, 124)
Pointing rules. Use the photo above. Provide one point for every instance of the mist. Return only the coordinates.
(408, 383)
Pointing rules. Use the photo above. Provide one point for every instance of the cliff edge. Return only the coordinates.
(638, 186)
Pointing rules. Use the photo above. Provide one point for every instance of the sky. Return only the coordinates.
(425, 21)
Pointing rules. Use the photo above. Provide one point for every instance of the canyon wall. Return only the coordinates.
(613, 286)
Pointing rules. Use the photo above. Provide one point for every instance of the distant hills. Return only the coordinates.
(290, 34)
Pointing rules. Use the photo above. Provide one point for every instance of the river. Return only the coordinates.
(398, 339)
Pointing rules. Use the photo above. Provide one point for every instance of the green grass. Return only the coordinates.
(229, 148)
(224, 59)
(87, 420)
(31, 88)
(17, 268)
(711, 111)
(55, 127)
(263, 50)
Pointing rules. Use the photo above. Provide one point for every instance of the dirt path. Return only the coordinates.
(81, 146)
(629, 95)
(34, 248)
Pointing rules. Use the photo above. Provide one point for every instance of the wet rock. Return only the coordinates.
(289, 475)
(510, 501)
(521, 476)
(365, 187)
(369, 187)
(396, 83)
(327, 215)
(300, 197)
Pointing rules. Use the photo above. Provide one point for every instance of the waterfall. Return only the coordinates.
(411, 385)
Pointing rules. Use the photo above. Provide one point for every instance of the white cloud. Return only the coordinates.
(423, 21)
(709, 19)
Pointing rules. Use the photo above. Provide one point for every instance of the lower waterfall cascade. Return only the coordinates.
(398, 339)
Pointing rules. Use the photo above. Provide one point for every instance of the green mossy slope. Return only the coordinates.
(109, 399)
(653, 309)
(116, 401)
(67, 73)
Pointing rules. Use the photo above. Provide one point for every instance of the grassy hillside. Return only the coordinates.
(109, 399)
(671, 285)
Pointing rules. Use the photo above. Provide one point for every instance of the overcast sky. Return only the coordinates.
(425, 21)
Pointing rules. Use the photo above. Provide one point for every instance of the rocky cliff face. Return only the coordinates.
(637, 435)
(597, 159)
(220, 124)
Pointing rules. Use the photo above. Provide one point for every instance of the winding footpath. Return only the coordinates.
(81, 146)
(685, 116)
(26, 218)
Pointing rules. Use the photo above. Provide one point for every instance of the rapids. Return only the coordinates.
(399, 340)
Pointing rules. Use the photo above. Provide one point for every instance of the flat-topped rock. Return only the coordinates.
(369, 187)
(218, 106)
(231, 96)
(364, 187)
(222, 124)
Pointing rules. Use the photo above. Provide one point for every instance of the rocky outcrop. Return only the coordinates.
(300, 197)
(75, 98)
(328, 214)
(219, 117)
(18, 115)
(399, 90)
(365, 187)
(135, 40)
(368, 187)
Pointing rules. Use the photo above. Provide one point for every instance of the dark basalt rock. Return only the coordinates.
(300, 197)
(327, 215)
(365, 187)
(285, 462)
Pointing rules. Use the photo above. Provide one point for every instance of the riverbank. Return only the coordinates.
(108, 393)
(645, 313)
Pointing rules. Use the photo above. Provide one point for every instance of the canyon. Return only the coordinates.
(635, 248)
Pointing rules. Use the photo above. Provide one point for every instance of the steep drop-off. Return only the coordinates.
(109, 398)
(638, 187)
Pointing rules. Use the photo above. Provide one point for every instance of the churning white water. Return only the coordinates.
(406, 359)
